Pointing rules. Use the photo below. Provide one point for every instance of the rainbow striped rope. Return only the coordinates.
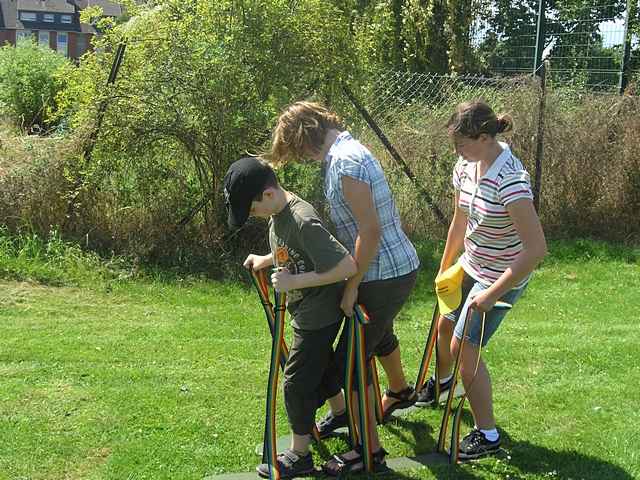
(348, 380)
(259, 279)
(277, 340)
(454, 446)
(357, 367)
(444, 425)
(428, 350)
(363, 391)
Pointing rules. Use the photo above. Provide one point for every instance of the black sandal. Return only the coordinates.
(405, 399)
(343, 466)
(330, 423)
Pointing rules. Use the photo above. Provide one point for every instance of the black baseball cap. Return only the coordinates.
(244, 181)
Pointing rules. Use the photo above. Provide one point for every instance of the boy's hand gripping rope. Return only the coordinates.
(448, 409)
(357, 366)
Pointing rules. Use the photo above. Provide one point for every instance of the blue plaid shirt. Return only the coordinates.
(396, 255)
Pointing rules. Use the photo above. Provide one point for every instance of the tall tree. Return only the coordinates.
(427, 42)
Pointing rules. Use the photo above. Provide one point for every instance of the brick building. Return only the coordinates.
(55, 23)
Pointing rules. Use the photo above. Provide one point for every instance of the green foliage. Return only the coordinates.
(31, 76)
(49, 260)
(201, 84)
(460, 18)
(402, 34)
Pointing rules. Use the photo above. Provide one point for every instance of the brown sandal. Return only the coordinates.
(338, 465)
(405, 399)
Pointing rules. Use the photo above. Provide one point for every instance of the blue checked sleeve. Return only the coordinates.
(352, 166)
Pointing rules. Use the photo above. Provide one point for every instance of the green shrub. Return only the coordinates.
(31, 76)
(27, 256)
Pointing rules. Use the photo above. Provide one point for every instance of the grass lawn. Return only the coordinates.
(106, 377)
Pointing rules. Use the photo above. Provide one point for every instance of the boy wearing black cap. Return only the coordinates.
(311, 265)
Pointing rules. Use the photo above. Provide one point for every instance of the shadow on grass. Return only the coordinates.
(518, 458)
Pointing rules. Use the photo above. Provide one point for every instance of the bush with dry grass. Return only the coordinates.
(127, 207)
(590, 183)
(134, 206)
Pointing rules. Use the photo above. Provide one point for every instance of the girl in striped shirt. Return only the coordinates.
(498, 230)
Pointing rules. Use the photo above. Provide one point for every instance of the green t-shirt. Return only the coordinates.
(300, 242)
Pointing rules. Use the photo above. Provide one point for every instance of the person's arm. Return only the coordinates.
(534, 248)
(455, 237)
(359, 198)
(258, 262)
(284, 281)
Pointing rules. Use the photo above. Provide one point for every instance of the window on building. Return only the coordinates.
(43, 38)
(63, 43)
(24, 35)
(48, 17)
(28, 16)
(65, 18)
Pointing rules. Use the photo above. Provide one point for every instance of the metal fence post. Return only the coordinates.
(537, 186)
(626, 52)
(540, 37)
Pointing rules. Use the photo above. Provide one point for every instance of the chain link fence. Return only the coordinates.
(406, 115)
(581, 148)
(592, 44)
(559, 70)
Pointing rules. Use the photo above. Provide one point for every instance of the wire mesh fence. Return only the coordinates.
(583, 42)
(586, 45)
(580, 147)
(410, 110)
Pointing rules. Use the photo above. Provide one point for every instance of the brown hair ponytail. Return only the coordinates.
(475, 118)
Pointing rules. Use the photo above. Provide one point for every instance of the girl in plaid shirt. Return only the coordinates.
(367, 223)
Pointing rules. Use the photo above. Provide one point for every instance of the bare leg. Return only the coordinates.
(479, 389)
(300, 443)
(395, 376)
(393, 368)
(375, 441)
(445, 359)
